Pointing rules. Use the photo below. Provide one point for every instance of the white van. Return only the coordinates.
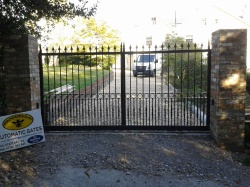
(147, 64)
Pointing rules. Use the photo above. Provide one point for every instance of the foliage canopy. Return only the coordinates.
(83, 35)
(22, 16)
(82, 32)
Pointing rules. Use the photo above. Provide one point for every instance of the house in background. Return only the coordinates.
(205, 20)
(195, 26)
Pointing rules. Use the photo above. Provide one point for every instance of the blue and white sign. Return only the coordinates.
(21, 130)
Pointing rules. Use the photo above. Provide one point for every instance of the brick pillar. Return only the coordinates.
(22, 73)
(228, 88)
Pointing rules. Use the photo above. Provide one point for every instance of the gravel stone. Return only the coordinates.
(172, 158)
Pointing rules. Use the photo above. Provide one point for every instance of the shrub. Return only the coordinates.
(186, 72)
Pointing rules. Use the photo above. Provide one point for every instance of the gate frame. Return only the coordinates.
(123, 125)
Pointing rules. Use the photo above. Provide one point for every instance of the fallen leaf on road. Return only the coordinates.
(87, 172)
(238, 181)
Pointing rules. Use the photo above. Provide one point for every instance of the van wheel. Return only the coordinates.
(153, 74)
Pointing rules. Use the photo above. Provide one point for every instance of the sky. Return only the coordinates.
(125, 15)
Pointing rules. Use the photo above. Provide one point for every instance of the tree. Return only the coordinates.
(22, 16)
(19, 17)
(85, 33)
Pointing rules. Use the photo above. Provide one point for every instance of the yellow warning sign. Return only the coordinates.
(17, 121)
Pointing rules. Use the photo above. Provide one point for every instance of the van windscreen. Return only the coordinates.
(146, 58)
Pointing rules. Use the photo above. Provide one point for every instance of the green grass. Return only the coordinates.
(80, 77)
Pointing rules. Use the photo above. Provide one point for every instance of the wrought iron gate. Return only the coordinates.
(97, 88)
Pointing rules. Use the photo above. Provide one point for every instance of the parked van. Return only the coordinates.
(147, 64)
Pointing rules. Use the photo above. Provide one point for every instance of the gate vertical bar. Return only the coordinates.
(41, 85)
(123, 89)
(208, 85)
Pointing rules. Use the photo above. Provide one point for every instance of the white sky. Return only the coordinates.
(123, 15)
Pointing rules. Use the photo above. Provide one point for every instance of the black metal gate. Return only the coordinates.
(110, 88)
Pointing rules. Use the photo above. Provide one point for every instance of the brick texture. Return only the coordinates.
(22, 74)
(228, 88)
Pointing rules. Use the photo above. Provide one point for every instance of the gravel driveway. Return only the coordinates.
(140, 84)
(123, 159)
(149, 102)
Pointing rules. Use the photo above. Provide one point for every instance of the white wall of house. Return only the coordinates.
(204, 21)
(198, 24)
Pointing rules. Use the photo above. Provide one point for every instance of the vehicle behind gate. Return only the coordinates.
(147, 64)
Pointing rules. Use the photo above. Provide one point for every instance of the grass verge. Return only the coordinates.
(77, 76)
